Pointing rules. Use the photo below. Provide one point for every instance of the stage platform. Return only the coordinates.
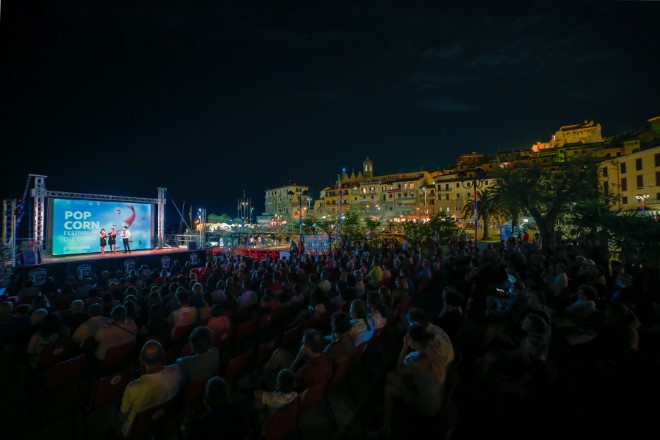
(82, 266)
(78, 267)
(110, 255)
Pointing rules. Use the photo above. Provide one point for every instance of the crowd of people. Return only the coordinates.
(519, 324)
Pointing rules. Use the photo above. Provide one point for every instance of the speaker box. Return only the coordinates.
(29, 257)
(192, 245)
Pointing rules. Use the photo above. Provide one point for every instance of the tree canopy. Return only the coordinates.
(544, 191)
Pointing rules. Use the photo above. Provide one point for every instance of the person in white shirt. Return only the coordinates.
(185, 315)
(88, 328)
(126, 239)
(118, 332)
(156, 386)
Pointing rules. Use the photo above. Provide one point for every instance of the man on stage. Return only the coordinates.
(126, 238)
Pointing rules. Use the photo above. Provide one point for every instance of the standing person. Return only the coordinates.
(126, 238)
(112, 240)
(103, 240)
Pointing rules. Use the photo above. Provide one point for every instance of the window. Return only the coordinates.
(624, 200)
(458, 185)
(657, 178)
(604, 171)
(447, 186)
(446, 196)
(657, 159)
(606, 188)
(623, 168)
(624, 184)
(640, 181)
(638, 164)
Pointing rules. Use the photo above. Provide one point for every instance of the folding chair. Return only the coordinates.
(153, 420)
(57, 353)
(106, 390)
(59, 376)
(118, 357)
(292, 338)
(244, 332)
(265, 351)
(238, 367)
(310, 398)
(283, 421)
(339, 374)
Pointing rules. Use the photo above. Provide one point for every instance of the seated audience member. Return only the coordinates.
(618, 333)
(377, 313)
(196, 298)
(221, 415)
(361, 329)
(205, 361)
(310, 364)
(526, 369)
(584, 305)
(76, 316)
(51, 332)
(6, 317)
(341, 344)
(118, 332)
(218, 321)
(247, 300)
(441, 341)
(21, 325)
(266, 403)
(108, 302)
(418, 379)
(316, 308)
(37, 317)
(156, 386)
(156, 325)
(205, 309)
(185, 315)
(451, 318)
(28, 292)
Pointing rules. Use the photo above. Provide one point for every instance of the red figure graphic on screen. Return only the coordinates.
(129, 221)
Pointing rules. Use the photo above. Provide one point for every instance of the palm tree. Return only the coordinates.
(486, 208)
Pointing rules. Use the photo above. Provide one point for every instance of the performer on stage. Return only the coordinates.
(126, 238)
(103, 241)
(112, 240)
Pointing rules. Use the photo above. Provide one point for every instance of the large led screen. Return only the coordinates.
(75, 225)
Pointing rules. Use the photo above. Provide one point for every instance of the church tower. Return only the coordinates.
(368, 168)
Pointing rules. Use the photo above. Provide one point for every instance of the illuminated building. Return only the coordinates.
(281, 206)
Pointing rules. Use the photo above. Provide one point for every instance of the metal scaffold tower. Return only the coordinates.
(39, 197)
(161, 218)
(9, 230)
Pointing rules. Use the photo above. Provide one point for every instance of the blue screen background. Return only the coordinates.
(75, 225)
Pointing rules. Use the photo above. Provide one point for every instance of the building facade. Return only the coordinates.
(286, 203)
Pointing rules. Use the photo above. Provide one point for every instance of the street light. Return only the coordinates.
(477, 181)
(642, 199)
(301, 249)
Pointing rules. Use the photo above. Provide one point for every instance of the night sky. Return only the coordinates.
(210, 98)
